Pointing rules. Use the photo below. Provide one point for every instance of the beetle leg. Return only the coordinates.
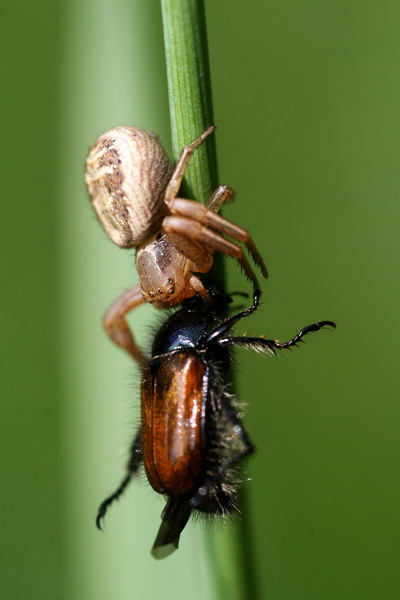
(239, 431)
(133, 466)
(190, 230)
(212, 492)
(117, 326)
(176, 178)
(223, 193)
(260, 344)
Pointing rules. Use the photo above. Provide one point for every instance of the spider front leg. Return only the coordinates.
(187, 228)
(202, 214)
(199, 254)
(176, 178)
(223, 193)
(117, 327)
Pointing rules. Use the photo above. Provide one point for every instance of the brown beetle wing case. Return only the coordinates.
(173, 416)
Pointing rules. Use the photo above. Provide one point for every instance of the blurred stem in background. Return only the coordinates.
(113, 73)
(190, 101)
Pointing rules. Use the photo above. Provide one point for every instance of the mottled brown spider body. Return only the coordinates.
(127, 172)
(134, 194)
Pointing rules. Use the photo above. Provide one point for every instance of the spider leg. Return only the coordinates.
(223, 193)
(197, 253)
(176, 178)
(201, 214)
(191, 230)
(117, 326)
(132, 468)
(270, 346)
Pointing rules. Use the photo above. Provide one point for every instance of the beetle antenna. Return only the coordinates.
(226, 325)
(271, 346)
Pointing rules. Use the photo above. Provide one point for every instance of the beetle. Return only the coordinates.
(134, 191)
(191, 438)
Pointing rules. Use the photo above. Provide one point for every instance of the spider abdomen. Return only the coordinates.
(127, 172)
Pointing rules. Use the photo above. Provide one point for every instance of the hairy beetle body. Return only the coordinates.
(192, 438)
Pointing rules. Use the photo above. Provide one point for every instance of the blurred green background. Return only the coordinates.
(306, 99)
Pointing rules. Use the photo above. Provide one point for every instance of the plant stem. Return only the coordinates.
(189, 91)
